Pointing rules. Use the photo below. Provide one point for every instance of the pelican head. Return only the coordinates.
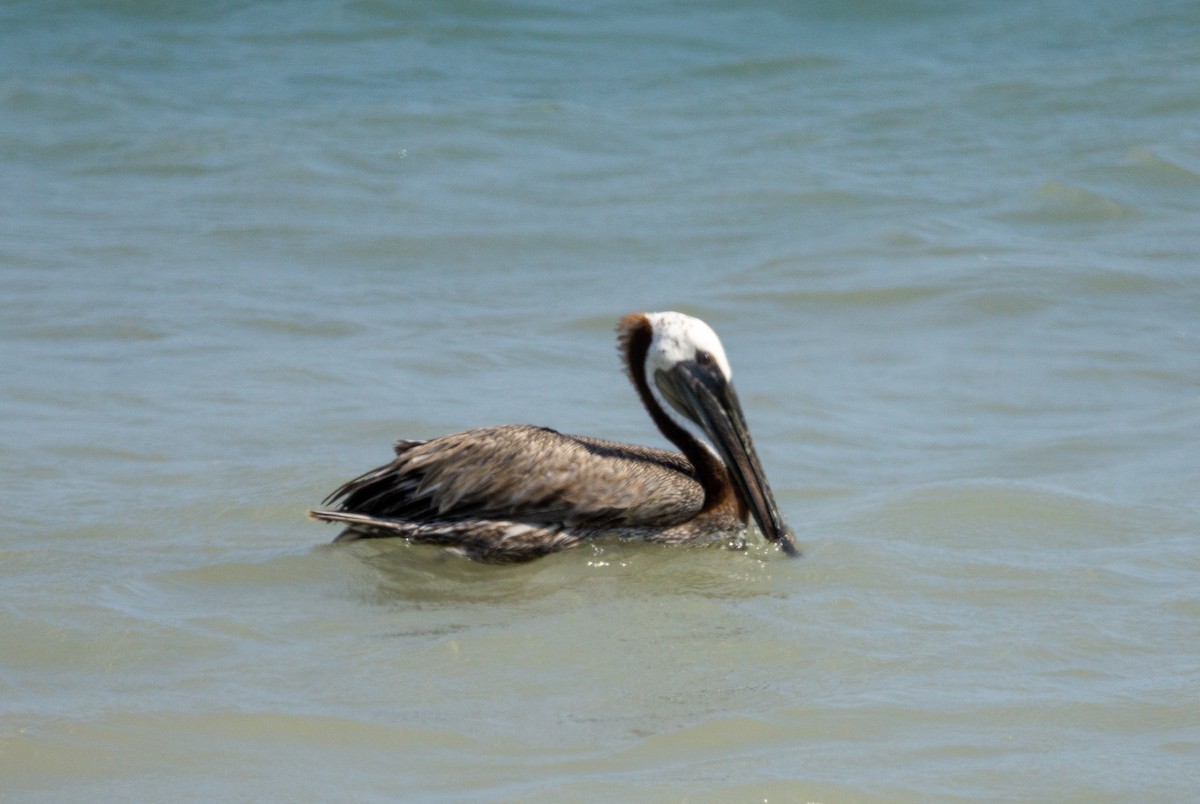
(686, 375)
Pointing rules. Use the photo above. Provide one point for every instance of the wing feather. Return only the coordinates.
(527, 474)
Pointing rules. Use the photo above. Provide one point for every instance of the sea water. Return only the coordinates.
(951, 249)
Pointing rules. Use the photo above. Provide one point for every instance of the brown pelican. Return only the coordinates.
(516, 492)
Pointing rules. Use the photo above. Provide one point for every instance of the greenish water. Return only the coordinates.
(951, 250)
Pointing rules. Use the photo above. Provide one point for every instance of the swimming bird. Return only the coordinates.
(515, 492)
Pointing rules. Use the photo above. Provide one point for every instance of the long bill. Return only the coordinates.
(714, 405)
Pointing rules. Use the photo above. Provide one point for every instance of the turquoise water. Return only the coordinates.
(951, 249)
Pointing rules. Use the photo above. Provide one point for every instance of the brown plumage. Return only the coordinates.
(516, 492)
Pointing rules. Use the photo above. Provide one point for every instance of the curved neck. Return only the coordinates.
(710, 471)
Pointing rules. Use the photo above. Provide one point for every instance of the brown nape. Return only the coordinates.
(634, 336)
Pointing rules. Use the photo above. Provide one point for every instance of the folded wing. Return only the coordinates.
(527, 474)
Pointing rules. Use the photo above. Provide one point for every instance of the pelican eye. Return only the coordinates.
(705, 358)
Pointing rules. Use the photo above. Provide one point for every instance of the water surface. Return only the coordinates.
(951, 251)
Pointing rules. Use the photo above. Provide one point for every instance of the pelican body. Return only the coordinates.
(515, 492)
